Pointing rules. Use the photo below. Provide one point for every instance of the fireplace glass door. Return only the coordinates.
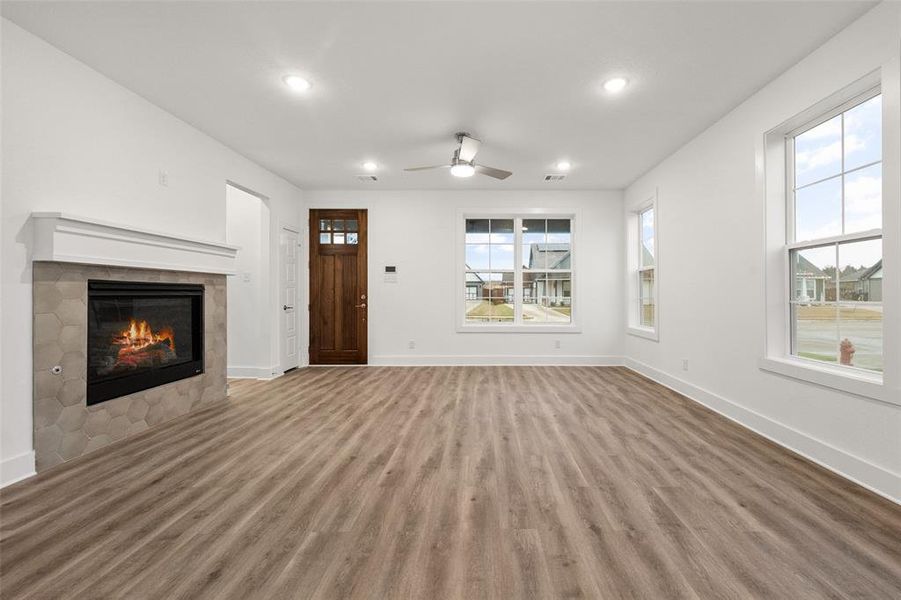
(141, 335)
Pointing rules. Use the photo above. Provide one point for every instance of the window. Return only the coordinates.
(642, 314)
(489, 270)
(338, 231)
(518, 271)
(647, 266)
(834, 248)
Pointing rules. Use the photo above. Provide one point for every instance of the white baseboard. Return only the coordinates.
(16, 468)
(462, 360)
(253, 372)
(873, 477)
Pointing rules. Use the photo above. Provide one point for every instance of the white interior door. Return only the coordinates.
(288, 244)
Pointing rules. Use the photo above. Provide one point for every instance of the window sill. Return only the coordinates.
(836, 378)
(644, 332)
(518, 329)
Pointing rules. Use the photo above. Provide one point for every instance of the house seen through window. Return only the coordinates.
(518, 270)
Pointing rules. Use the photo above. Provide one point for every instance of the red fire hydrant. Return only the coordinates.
(847, 352)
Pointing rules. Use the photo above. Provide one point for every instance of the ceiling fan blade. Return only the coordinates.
(491, 172)
(428, 168)
(468, 148)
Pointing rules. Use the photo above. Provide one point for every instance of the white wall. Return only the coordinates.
(27, 467)
(711, 258)
(247, 226)
(75, 141)
(415, 230)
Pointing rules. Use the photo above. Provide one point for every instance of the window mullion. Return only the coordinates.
(843, 174)
(517, 271)
(791, 166)
(640, 300)
(817, 182)
(858, 236)
(838, 297)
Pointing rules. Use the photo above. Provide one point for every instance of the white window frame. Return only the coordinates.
(634, 269)
(791, 207)
(775, 184)
(517, 326)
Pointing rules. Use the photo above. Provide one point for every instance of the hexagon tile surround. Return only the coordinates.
(65, 427)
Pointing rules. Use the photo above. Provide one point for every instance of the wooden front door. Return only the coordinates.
(338, 291)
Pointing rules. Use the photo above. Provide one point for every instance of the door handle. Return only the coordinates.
(361, 305)
(286, 307)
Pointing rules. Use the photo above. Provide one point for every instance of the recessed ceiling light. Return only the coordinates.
(563, 165)
(370, 166)
(617, 84)
(297, 83)
(462, 170)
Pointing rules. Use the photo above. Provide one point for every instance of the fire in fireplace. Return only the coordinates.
(141, 335)
(138, 346)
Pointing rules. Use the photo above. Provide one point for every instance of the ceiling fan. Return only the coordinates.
(462, 164)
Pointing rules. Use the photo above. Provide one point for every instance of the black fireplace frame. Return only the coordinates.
(107, 389)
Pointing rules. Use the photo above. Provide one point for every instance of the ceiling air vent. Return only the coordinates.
(367, 178)
(554, 177)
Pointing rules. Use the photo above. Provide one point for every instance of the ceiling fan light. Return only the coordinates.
(462, 170)
(616, 84)
(297, 83)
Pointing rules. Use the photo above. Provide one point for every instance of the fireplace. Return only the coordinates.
(141, 335)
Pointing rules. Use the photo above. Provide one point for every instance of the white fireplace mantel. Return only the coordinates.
(63, 237)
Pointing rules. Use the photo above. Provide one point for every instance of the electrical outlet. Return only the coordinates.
(411, 344)
(164, 178)
(557, 344)
(684, 364)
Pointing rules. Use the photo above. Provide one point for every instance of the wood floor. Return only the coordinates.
(432, 483)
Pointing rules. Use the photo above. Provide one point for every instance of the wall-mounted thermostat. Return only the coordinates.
(390, 274)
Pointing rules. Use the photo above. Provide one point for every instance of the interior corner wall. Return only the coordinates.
(710, 217)
(415, 231)
(75, 141)
(247, 226)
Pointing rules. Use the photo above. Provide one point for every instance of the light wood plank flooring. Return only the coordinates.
(458, 482)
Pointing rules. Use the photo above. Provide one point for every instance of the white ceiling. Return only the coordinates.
(393, 81)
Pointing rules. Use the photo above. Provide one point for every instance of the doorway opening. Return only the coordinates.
(249, 308)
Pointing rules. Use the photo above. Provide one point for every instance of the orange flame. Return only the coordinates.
(139, 335)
